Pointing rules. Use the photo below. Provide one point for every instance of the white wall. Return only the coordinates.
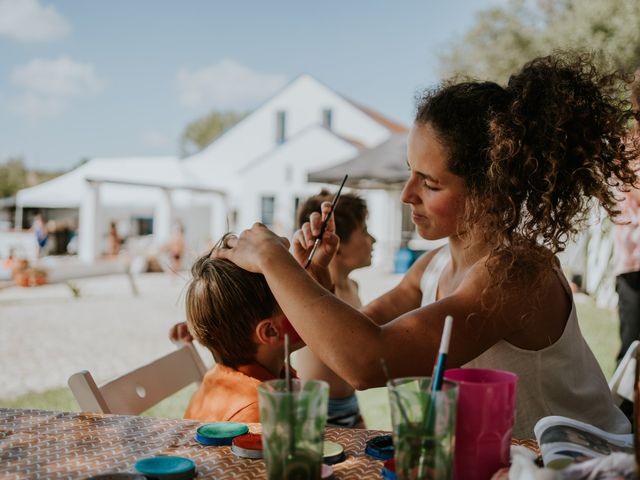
(303, 101)
(283, 174)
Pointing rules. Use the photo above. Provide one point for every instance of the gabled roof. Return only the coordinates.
(394, 127)
(254, 136)
(124, 178)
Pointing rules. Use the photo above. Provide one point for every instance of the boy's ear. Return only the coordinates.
(268, 331)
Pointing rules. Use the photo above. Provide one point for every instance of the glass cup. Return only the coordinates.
(423, 428)
(293, 427)
(486, 410)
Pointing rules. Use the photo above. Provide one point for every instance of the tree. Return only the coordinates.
(504, 38)
(13, 177)
(201, 132)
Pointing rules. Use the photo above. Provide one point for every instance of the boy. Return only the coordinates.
(232, 312)
(356, 246)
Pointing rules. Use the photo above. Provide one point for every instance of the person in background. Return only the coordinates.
(113, 240)
(627, 247)
(354, 251)
(176, 247)
(42, 235)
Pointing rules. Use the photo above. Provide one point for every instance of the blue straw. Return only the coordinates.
(436, 386)
(438, 373)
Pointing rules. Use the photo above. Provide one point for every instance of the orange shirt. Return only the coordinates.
(229, 395)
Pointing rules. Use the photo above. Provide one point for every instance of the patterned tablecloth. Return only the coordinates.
(36, 444)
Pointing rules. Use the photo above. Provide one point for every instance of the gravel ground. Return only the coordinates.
(46, 334)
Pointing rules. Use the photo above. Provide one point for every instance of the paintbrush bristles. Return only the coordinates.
(287, 369)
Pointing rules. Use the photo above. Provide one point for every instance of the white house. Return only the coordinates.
(256, 171)
(263, 161)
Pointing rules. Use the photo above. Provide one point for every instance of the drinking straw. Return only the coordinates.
(405, 417)
(436, 383)
(287, 376)
(324, 223)
(438, 372)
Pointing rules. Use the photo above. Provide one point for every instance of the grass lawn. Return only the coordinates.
(599, 326)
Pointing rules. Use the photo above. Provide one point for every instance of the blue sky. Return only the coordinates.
(118, 78)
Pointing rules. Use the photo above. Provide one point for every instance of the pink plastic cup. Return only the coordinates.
(486, 408)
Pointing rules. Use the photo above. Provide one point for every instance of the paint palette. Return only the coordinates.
(167, 468)
(219, 434)
(380, 448)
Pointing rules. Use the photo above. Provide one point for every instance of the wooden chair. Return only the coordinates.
(142, 388)
(623, 380)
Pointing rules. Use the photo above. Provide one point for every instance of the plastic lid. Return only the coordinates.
(380, 448)
(220, 433)
(332, 452)
(222, 429)
(167, 467)
(249, 441)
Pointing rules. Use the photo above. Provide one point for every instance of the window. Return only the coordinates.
(296, 205)
(267, 210)
(281, 126)
(327, 117)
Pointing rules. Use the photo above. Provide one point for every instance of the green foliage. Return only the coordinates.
(504, 38)
(13, 177)
(201, 132)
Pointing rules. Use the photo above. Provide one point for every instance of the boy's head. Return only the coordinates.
(231, 311)
(350, 215)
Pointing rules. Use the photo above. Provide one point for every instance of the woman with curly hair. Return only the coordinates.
(507, 174)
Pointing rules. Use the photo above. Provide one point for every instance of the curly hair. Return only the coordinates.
(533, 155)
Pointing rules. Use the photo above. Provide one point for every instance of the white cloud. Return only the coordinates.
(226, 85)
(47, 85)
(29, 21)
(155, 139)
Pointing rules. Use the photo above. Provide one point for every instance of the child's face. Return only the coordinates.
(356, 252)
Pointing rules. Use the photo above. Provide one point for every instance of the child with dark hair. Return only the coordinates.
(233, 313)
(354, 251)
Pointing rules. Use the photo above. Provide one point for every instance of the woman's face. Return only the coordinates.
(436, 195)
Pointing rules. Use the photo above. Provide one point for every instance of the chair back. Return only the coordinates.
(142, 388)
(622, 383)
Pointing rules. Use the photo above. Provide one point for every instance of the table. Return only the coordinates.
(37, 444)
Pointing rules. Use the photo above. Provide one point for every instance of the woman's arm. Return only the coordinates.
(346, 339)
(404, 297)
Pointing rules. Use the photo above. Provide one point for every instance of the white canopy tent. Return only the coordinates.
(156, 183)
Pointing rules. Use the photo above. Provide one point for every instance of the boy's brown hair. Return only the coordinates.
(350, 213)
(224, 304)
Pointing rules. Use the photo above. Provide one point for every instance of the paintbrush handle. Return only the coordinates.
(313, 251)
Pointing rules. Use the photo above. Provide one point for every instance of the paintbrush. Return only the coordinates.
(324, 224)
(287, 376)
(403, 412)
(436, 386)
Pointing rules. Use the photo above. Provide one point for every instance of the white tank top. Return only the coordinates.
(561, 379)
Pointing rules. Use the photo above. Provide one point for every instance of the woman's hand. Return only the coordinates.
(304, 239)
(252, 247)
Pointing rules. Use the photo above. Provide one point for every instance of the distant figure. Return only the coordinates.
(627, 249)
(10, 261)
(176, 248)
(113, 241)
(42, 235)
